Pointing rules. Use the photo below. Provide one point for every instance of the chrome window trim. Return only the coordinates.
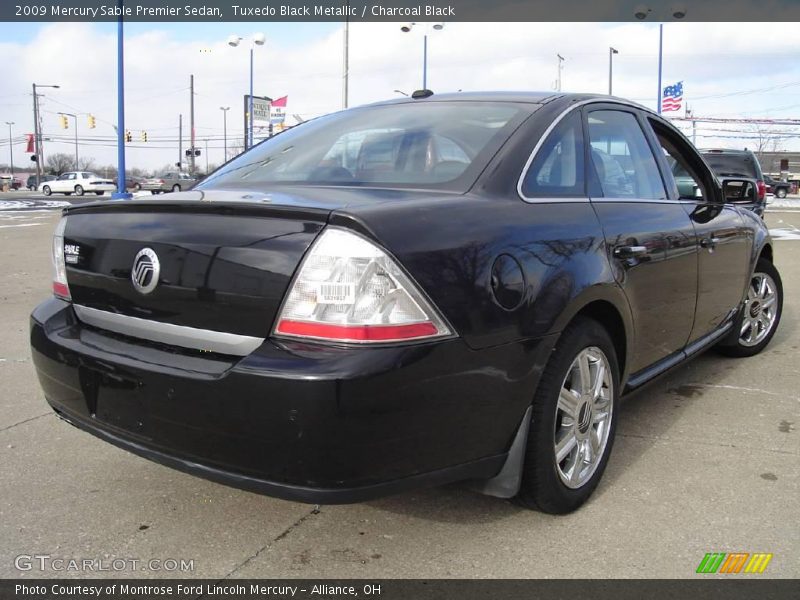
(167, 333)
(547, 133)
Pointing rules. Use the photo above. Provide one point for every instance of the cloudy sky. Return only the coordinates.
(728, 70)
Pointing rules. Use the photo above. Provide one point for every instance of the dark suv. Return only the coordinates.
(738, 163)
(416, 292)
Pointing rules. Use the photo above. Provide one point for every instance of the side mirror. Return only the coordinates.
(741, 191)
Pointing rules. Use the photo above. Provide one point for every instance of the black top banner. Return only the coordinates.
(400, 10)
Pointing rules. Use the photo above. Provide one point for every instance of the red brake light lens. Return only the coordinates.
(60, 286)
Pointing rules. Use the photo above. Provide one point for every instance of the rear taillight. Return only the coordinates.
(60, 286)
(349, 290)
(762, 189)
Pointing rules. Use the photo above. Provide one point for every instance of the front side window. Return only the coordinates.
(432, 144)
(621, 157)
(557, 171)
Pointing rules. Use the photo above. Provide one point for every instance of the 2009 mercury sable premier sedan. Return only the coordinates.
(406, 294)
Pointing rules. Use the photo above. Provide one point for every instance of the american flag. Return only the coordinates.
(673, 97)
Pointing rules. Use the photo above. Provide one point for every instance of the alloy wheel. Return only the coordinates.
(760, 310)
(583, 417)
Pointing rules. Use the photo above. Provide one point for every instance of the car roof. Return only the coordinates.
(725, 151)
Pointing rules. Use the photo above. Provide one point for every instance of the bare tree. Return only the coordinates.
(86, 164)
(60, 162)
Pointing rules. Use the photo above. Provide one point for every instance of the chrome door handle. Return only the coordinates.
(709, 242)
(629, 251)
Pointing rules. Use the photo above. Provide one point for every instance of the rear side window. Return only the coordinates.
(621, 157)
(558, 169)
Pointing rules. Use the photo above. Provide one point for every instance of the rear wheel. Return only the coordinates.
(47, 191)
(759, 317)
(780, 192)
(176, 188)
(78, 190)
(574, 420)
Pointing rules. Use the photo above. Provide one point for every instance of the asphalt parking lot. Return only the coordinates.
(707, 459)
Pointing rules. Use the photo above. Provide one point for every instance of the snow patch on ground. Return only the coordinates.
(28, 204)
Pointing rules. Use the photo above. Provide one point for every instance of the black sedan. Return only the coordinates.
(440, 288)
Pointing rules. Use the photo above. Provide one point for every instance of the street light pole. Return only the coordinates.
(436, 27)
(11, 149)
(258, 40)
(611, 53)
(225, 110)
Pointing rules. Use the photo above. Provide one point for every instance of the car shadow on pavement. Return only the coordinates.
(649, 414)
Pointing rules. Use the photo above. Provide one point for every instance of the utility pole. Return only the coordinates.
(560, 68)
(36, 137)
(11, 149)
(206, 140)
(191, 124)
(180, 143)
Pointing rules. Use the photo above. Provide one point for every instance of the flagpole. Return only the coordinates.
(660, 63)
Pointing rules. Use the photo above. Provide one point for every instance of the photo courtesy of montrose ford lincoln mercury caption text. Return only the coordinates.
(381, 298)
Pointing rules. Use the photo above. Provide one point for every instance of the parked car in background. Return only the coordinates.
(172, 181)
(78, 183)
(32, 184)
(738, 163)
(407, 294)
(13, 183)
(777, 187)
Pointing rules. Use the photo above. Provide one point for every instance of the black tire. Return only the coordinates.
(78, 190)
(734, 344)
(137, 187)
(99, 193)
(68, 193)
(780, 192)
(176, 188)
(154, 192)
(542, 487)
(46, 190)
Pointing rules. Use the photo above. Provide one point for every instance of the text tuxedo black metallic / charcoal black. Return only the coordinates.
(406, 294)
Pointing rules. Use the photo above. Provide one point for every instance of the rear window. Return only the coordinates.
(731, 165)
(432, 144)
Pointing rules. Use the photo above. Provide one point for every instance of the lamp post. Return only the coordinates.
(611, 53)
(258, 40)
(225, 110)
(75, 117)
(11, 149)
(407, 28)
(37, 130)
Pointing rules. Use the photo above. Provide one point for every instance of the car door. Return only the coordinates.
(649, 236)
(723, 241)
(62, 184)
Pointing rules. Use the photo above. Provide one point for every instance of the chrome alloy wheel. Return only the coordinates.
(583, 417)
(760, 310)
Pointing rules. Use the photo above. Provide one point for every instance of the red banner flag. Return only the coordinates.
(30, 144)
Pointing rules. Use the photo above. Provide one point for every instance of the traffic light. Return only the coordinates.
(128, 135)
(144, 136)
(64, 122)
(92, 122)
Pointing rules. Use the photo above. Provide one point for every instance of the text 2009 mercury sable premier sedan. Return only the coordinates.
(406, 294)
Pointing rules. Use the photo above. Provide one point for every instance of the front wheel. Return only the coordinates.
(78, 190)
(780, 192)
(758, 319)
(574, 420)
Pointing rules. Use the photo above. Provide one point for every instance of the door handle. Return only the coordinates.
(709, 242)
(629, 251)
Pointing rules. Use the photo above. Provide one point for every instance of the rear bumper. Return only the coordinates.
(298, 421)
